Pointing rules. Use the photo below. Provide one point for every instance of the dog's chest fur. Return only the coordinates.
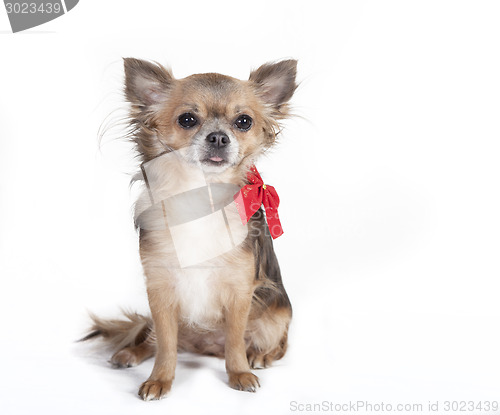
(202, 292)
(198, 295)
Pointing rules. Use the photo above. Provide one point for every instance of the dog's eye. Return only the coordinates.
(187, 120)
(243, 122)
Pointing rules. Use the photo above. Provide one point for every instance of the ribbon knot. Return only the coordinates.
(253, 195)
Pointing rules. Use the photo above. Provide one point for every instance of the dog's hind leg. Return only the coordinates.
(267, 337)
(133, 355)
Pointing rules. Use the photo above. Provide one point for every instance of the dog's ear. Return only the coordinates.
(275, 82)
(146, 83)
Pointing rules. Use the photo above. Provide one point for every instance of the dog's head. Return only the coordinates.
(224, 122)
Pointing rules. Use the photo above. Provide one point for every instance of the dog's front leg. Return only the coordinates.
(165, 318)
(238, 369)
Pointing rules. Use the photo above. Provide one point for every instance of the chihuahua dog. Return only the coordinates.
(213, 281)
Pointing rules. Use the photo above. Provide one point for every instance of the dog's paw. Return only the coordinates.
(245, 381)
(260, 360)
(154, 389)
(124, 358)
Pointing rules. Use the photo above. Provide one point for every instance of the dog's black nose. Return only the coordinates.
(218, 139)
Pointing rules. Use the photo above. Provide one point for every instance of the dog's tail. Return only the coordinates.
(131, 330)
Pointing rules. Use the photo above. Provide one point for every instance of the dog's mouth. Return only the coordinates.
(215, 160)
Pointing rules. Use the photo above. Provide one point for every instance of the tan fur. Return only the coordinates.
(232, 305)
(133, 355)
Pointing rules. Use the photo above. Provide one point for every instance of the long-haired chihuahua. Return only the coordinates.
(206, 222)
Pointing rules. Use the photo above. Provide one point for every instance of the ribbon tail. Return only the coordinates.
(273, 222)
(271, 202)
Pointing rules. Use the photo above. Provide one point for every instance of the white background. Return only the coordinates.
(388, 177)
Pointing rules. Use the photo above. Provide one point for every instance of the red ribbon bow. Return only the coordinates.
(252, 196)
